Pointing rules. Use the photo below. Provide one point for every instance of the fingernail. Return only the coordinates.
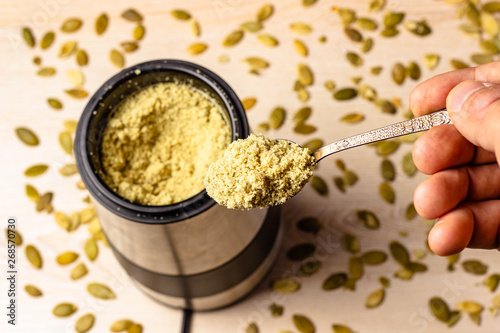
(460, 94)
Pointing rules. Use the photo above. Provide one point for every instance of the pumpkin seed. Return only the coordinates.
(276, 310)
(355, 267)
(75, 77)
(347, 16)
(353, 34)
(366, 24)
(387, 192)
(101, 24)
(319, 185)
(376, 70)
(78, 271)
(84, 323)
(491, 7)
(373, 6)
(82, 58)
(195, 28)
(37, 60)
(233, 38)
(66, 142)
(308, 3)
(411, 212)
(354, 59)
(262, 127)
(413, 70)
(267, 40)
(303, 324)
(33, 256)
(303, 96)
(339, 183)
(27, 136)
(388, 170)
(44, 202)
(55, 103)
(251, 26)
(337, 328)
(387, 147)
(350, 177)
(76, 93)
(392, 19)
(352, 118)
(67, 49)
(350, 243)
(64, 309)
(310, 224)
(129, 46)
(196, 48)
(32, 290)
(492, 282)
(302, 115)
(368, 218)
(399, 253)
(409, 167)
(452, 260)
(385, 282)
(87, 214)
(481, 59)
(488, 47)
(335, 281)
(62, 220)
(47, 40)
(116, 58)
(248, 103)
(180, 14)
(265, 12)
(252, 328)
(416, 267)
(308, 268)
(132, 15)
(135, 328)
(277, 117)
(305, 74)
(356, 79)
(398, 73)
(366, 45)
(375, 299)
(302, 128)
(345, 94)
(28, 37)
(458, 64)
(404, 274)
(286, 285)
(71, 25)
(469, 307)
(313, 144)
(140, 31)
(489, 24)
(46, 71)
(419, 28)
(91, 249)
(389, 32)
(300, 47)
(32, 193)
(121, 325)
(301, 28)
(330, 85)
(440, 309)
(374, 257)
(100, 291)
(66, 258)
(36, 170)
(474, 267)
(301, 251)
(17, 239)
(256, 63)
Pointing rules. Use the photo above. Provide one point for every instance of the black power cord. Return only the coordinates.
(186, 320)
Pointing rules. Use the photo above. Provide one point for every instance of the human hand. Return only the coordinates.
(463, 191)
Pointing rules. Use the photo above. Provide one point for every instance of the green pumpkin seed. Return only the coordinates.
(385, 282)
(375, 299)
(77, 93)
(475, 267)
(303, 96)
(356, 79)
(366, 45)
(387, 147)
(62, 220)
(252, 328)
(263, 127)
(132, 15)
(452, 260)
(481, 59)
(75, 77)
(195, 28)
(376, 70)
(458, 64)
(84, 323)
(46, 71)
(28, 37)
(308, 3)
(389, 32)
(352, 118)
(392, 19)
(300, 47)
(301, 28)
(267, 40)
(399, 253)
(411, 212)
(310, 224)
(374, 257)
(55, 103)
(78, 271)
(265, 12)
(404, 274)
(180, 14)
(492, 282)
(488, 47)
(15, 236)
(64, 309)
(44, 202)
(368, 218)
(388, 170)
(66, 258)
(313, 144)
(416, 267)
(366, 24)
(196, 48)
(116, 58)
(319, 185)
(129, 46)
(139, 32)
(302, 128)
(345, 94)
(71, 25)
(491, 7)
(353, 34)
(469, 307)
(277, 117)
(440, 309)
(27, 136)
(276, 310)
(419, 28)
(70, 126)
(354, 59)
(347, 16)
(301, 251)
(233, 38)
(335, 281)
(251, 26)
(350, 177)
(33, 256)
(387, 192)
(373, 6)
(305, 74)
(32, 193)
(286, 285)
(135, 328)
(302, 115)
(350, 243)
(47, 40)
(121, 325)
(101, 24)
(413, 70)
(398, 73)
(489, 24)
(337, 328)
(248, 103)
(100, 291)
(82, 58)
(256, 63)
(91, 249)
(37, 60)
(303, 324)
(32, 290)
(66, 142)
(339, 183)
(330, 85)
(309, 268)
(355, 267)
(36, 170)
(409, 167)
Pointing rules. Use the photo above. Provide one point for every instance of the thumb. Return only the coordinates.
(474, 108)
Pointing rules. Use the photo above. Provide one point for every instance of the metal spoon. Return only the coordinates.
(414, 125)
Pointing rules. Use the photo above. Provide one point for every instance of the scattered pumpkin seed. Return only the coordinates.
(398, 73)
(28, 37)
(366, 45)
(350, 243)
(389, 32)
(75, 77)
(303, 324)
(66, 258)
(374, 257)
(313, 144)
(375, 298)
(302, 128)
(196, 48)
(55, 103)
(392, 19)
(339, 183)
(337, 328)
(385, 282)
(129, 46)
(84, 323)
(368, 218)
(256, 63)
(440, 309)
(267, 40)
(387, 192)
(64, 309)
(366, 23)
(399, 253)
(78, 271)
(82, 58)
(121, 325)
(301, 251)
(419, 28)
(47, 40)
(475, 267)
(492, 282)
(335, 281)
(489, 24)
(355, 267)
(66, 142)
(411, 212)
(481, 59)
(248, 103)
(180, 14)
(350, 177)
(139, 32)
(308, 3)
(76, 93)
(301, 28)
(233, 38)
(44, 202)
(46, 71)
(100, 291)
(36, 170)
(352, 118)
(32, 290)
(452, 260)
(353, 34)
(37, 60)
(388, 170)
(409, 167)
(116, 58)
(347, 16)
(33, 256)
(308, 268)
(135, 328)
(195, 27)
(17, 239)
(413, 70)
(132, 15)
(251, 26)
(262, 127)
(276, 310)
(354, 59)
(387, 147)
(374, 6)
(252, 328)
(458, 64)
(345, 94)
(101, 24)
(71, 25)
(310, 224)
(404, 274)
(330, 85)
(27, 136)
(91, 249)
(277, 117)
(265, 12)
(300, 47)
(319, 185)
(286, 285)
(376, 70)
(305, 74)
(302, 115)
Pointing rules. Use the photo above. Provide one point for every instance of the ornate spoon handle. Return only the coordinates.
(403, 128)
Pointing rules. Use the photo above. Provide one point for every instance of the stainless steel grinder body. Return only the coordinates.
(194, 254)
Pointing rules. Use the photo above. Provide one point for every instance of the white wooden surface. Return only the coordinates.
(23, 97)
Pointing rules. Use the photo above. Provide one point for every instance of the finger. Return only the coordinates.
(474, 225)
(430, 95)
(443, 191)
(475, 110)
(443, 147)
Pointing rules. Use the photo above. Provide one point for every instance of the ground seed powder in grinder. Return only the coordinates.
(159, 143)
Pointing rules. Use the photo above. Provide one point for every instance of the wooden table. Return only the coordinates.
(24, 94)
